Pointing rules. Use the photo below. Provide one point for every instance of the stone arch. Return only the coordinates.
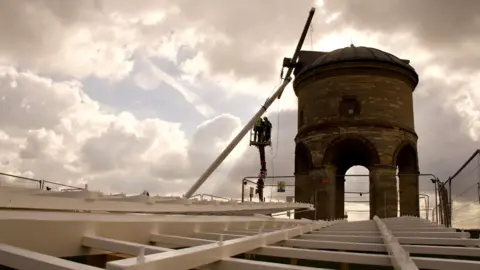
(361, 151)
(303, 159)
(406, 160)
(403, 150)
(342, 153)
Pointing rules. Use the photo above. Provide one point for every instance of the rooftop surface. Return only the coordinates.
(40, 238)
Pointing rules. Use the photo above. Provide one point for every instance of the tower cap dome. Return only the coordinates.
(354, 53)
(310, 60)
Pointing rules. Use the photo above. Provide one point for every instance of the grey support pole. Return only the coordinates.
(235, 141)
(262, 110)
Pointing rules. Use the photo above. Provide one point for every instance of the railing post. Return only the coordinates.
(450, 203)
(243, 190)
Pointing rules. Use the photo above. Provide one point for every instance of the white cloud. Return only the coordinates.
(62, 137)
(151, 77)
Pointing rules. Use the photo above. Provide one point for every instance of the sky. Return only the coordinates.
(127, 96)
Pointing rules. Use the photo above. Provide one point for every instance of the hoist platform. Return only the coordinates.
(253, 142)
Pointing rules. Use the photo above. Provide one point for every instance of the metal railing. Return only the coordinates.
(40, 184)
(212, 197)
(358, 198)
(462, 206)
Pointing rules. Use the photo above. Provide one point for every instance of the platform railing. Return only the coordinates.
(462, 191)
(356, 196)
(37, 183)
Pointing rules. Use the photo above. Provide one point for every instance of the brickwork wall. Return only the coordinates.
(385, 121)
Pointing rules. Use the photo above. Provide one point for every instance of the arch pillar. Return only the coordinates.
(324, 188)
(408, 174)
(383, 191)
(408, 189)
(340, 192)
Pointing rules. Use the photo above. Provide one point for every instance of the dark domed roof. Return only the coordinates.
(353, 53)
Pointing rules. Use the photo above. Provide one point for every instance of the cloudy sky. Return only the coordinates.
(132, 95)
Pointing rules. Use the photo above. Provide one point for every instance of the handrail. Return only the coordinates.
(24, 178)
(212, 196)
(41, 182)
(62, 185)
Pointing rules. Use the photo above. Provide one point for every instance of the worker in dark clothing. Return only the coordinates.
(260, 186)
(267, 128)
(258, 130)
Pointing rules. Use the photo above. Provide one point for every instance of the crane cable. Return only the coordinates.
(277, 142)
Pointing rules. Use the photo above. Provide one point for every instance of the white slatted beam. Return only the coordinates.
(400, 234)
(23, 259)
(345, 246)
(133, 248)
(451, 251)
(346, 257)
(123, 247)
(230, 264)
(241, 232)
(401, 240)
(405, 228)
(399, 257)
(239, 264)
(179, 240)
(445, 264)
(357, 233)
(216, 236)
(414, 249)
(359, 258)
(343, 238)
(197, 256)
(439, 241)
(11, 200)
(323, 255)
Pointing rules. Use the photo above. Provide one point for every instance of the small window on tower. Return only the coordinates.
(349, 106)
(301, 120)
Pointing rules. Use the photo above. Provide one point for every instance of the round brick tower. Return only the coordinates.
(355, 107)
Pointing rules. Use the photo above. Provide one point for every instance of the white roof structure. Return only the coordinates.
(38, 228)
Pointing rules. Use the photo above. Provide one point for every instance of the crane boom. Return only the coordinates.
(260, 112)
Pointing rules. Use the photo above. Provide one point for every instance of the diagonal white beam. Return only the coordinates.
(239, 264)
(230, 264)
(23, 259)
(217, 236)
(200, 255)
(179, 240)
(399, 257)
(317, 255)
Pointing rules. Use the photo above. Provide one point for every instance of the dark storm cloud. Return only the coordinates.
(444, 142)
(449, 29)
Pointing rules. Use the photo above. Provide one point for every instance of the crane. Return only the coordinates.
(289, 64)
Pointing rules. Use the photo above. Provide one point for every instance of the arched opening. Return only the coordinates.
(343, 154)
(357, 192)
(301, 119)
(407, 166)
